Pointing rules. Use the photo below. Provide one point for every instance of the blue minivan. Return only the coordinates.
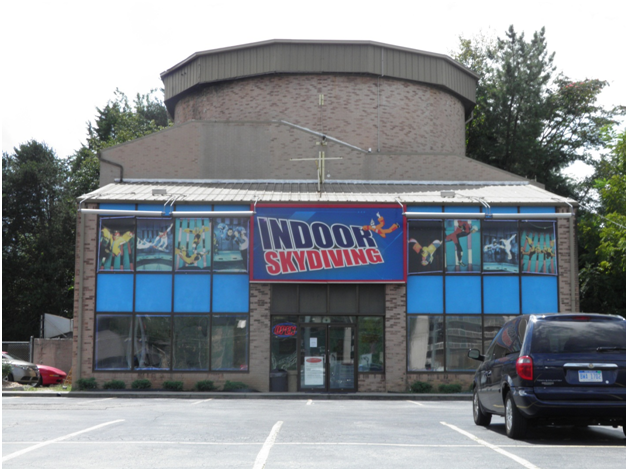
(553, 369)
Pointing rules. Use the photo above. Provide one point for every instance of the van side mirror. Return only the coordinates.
(475, 355)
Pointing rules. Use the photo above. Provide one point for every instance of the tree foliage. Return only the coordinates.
(529, 119)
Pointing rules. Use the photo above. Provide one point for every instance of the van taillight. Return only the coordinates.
(525, 368)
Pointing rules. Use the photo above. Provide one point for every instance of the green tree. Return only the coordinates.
(38, 221)
(116, 123)
(602, 232)
(530, 120)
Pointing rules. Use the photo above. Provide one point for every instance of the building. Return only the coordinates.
(311, 216)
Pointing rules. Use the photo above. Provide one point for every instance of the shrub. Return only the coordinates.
(173, 385)
(421, 387)
(233, 386)
(114, 385)
(141, 384)
(6, 369)
(450, 388)
(87, 384)
(205, 386)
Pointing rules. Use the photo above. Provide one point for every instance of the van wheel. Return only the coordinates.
(479, 417)
(516, 424)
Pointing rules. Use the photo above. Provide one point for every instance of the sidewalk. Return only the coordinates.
(244, 395)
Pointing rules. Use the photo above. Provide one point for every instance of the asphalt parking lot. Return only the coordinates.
(67, 433)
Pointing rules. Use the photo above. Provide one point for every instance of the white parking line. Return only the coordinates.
(93, 401)
(416, 403)
(309, 402)
(260, 461)
(52, 441)
(202, 401)
(523, 462)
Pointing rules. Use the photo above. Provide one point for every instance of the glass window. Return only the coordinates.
(193, 244)
(425, 254)
(463, 333)
(538, 247)
(372, 299)
(113, 342)
(283, 341)
(371, 344)
(500, 246)
(152, 342)
(312, 299)
(231, 244)
(462, 245)
(492, 325)
(425, 343)
(343, 299)
(154, 244)
(116, 249)
(229, 342)
(191, 342)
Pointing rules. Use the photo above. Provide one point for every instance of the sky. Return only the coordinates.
(63, 59)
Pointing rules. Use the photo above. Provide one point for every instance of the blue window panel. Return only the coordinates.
(425, 294)
(153, 293)
(538, 210)
(155, 207)
(194, 208)
(232, 207)
(192, 293)
(500, 210)
(539, 294)
(425, 209)
(115, 292)
(462, 209)
(501, 295)
(231, 294)
(117, 206)
(463, 294)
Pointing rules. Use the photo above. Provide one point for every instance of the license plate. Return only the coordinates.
(590, 375)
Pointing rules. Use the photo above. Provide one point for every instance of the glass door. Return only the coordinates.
(341, 357)
(313, 357)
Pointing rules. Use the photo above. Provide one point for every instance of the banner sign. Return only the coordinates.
(328, 243)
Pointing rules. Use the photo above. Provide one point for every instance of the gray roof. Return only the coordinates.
(284, 56)
(305, 191)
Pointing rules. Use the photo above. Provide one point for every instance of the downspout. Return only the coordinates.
(102, 159)
(79, 336)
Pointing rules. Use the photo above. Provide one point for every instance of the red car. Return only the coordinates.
(51, 375)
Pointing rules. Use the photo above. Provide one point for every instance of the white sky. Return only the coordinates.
(62, 59)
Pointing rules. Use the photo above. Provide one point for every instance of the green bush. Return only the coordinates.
(173, 385)
(141, 384)
(87, 384)
(450, 388)
(233, 386)
(421, 387)
(6, 369)
(205, 386)
(114, 385)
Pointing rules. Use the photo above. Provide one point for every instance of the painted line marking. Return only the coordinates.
(309, 402)
(523, 462)
(202, 401)
(260, 461)
(52, 441)
(93, 401)
(416, 403)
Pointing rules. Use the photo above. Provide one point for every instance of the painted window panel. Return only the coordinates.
(539, 294)
(500, 210)
(232, 208)
(190, 342)
(537, 209)
(154, 244)
(231, 244)
(115, 292)
(152, 342)
(229, 342)
(193, 244)
(462, 333)
(501, 295)
(192, 293)
(538, 247)
(500, 246)
(117, 206)
(425, 294)
(152, 207)
(153, 292)
(116, 246)
(426, 343)
(371, 344)
(231, 293)
(184, 207)
(425, 247)
(425, 209)
(462, 209)
(463, 295)
(113, 342)
(462, 246)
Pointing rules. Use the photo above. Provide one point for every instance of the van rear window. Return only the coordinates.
(577, 336)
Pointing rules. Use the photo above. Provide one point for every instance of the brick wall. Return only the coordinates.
(395, 340)
(568, 300)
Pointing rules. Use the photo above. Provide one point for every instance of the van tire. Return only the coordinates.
(516, 424)
(479, 417)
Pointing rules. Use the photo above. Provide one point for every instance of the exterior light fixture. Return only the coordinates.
(159, 191)
(447, 193)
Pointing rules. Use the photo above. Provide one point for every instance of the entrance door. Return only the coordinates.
(327, 358)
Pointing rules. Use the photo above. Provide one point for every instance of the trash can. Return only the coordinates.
(278, 380)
